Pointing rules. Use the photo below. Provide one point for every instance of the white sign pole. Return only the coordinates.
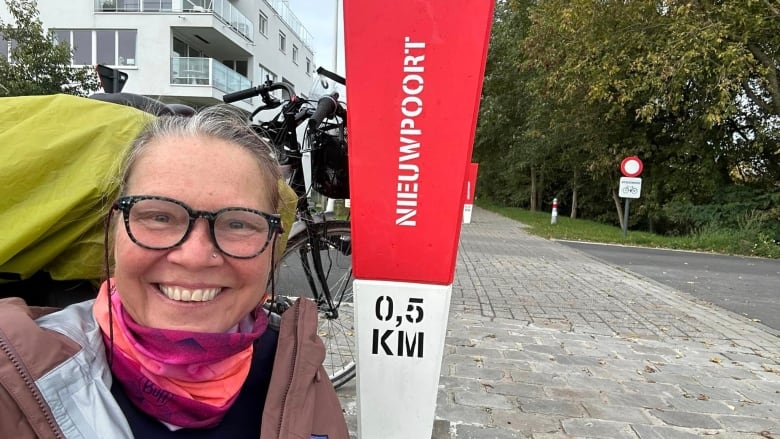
(469, 206)
(400, 331)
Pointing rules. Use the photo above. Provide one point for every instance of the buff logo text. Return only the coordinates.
(410, 134)
(160, 396)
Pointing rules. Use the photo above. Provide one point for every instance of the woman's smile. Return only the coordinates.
(182, 294)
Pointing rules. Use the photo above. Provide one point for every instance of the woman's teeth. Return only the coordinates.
(185, 295)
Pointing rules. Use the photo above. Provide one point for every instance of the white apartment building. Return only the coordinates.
(187, 51)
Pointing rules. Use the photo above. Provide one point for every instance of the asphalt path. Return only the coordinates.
(744, 285)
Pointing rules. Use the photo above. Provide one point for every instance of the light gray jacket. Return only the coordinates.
(55, 381)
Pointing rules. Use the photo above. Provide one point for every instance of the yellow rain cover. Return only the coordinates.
(59, 156)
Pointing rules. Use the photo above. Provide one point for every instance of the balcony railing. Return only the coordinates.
(287, 15)
(222, 9)
(207, 71)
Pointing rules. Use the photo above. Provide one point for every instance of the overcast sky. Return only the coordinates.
(317, 17)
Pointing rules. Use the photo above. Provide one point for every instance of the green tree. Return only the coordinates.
(706, 71)
(37, 64)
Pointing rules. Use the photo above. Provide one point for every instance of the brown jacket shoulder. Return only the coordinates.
(27, 352)
(301, 402)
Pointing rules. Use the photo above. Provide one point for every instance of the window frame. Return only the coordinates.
(262, 23)
(282, 42)
(93, 45)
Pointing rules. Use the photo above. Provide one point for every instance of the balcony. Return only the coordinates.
(222, 9)
(289, 17)
(207, 71)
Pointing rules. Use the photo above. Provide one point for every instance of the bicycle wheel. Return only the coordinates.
(295, 277)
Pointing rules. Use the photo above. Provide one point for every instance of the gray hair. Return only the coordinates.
(224, 122)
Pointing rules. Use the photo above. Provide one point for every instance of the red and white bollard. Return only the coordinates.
(554, 217)
(406, 220)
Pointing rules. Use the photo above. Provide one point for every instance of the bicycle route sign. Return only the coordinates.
(630, 187)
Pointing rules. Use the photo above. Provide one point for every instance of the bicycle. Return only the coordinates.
(317, 261)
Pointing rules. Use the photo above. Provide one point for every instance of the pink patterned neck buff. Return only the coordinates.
(182, 378)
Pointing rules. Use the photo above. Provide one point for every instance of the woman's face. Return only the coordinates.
(206, 174)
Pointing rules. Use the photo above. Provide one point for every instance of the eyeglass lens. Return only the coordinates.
(161, 224)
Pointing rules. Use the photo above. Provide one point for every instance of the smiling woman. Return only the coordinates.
(178, 338)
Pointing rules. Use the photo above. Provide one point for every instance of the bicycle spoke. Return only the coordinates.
(297, 276)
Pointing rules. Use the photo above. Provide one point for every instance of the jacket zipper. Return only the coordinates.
(30, 383)
(291, 369)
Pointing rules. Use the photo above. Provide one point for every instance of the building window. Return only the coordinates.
(288, 82)
(184, 50)
(111, 47)
(239, 66)
(282, 42)
(295, 54)
(105, 47)
(308, 66)
(262, 24)
(266, 74)
(126, 47)
(82, 47)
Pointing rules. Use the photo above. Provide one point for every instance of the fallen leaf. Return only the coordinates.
(771, 369)
(702, 397)
(716, 360)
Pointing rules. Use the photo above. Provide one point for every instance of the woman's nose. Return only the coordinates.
(199, 245)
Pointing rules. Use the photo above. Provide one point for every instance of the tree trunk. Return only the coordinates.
(539, 194)
(534, 206)
(574, 195)
(617, 207)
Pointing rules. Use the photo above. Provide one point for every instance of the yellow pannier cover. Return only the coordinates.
(59, 164)
(59, 156)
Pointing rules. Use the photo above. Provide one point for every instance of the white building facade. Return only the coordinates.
(187, 51)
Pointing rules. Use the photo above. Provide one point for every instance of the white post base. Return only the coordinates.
(400, 328)
(467, 208)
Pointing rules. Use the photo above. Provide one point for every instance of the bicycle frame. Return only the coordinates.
(321, 252)
(304, 223)
(285, 139)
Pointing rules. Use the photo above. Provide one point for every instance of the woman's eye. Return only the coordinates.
(161, 218)
(237, 225)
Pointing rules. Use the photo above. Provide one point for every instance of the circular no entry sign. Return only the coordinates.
(631, 166)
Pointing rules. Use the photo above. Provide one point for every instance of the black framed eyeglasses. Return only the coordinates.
(160, 223)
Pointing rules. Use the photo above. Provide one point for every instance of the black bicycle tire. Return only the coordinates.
(334, 228)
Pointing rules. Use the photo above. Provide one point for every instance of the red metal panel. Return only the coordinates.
(414, 77)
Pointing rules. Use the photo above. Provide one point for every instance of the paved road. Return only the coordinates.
(545, 342)
(747, 286)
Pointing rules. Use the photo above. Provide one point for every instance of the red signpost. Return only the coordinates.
(630, 184)
(470, 192)
(414, 76)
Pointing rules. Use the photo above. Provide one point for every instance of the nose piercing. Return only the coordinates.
(214, 255)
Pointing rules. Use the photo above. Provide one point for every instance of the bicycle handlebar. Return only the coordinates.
(262, 91)
(327, 106)
(331, 75)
